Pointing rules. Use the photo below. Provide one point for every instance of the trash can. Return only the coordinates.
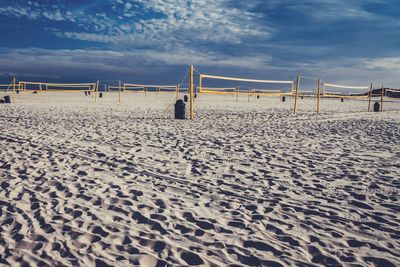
(185, 98)
(1, 101)
(377, 107)
(180, 110)
(85, 93)
(258, 96)
(341, 100)
(100, 95)
(7, 99)
(283, 99)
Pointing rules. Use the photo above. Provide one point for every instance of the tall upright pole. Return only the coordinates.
(237, 93)
(191, 93)
(14, 90)
(119, 91)
(382, 95)
(370, 98)
(177, 92)
(319, 96)
(96, 90)
(296, 94)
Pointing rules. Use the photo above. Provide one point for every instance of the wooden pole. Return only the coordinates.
(191, 95)
(119, 91)
(14, 90)
(96, 90)
(237, 93)
(319, 96)
(296, 95)
(370, 98)
(382, 95)
(177, 92)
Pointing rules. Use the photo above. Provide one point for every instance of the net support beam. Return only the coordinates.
(382, 95)
(191, 94)
(319, 96)
(296, 95)
(119, 91)
(370, 97)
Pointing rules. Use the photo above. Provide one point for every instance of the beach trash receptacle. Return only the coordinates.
(180, 110)
(258, 96)
(185, 98)
(283, 99)
(100, 95)
(7, 99)
(341, 100)
(377, 107)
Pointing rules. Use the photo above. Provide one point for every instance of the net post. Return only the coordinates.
(96, 89)
(319, 96)
(296, 95)
(370, 98)
(119, 91)
(237, 93)
(200, 83)
(14, 90)
(382, 95)
(191, 96)
(177, 91)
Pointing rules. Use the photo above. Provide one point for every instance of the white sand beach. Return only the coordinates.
(247, 183)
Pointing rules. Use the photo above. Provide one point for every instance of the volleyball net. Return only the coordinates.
(331, 90)
(221, 85)
(56, 87)
(7, 87)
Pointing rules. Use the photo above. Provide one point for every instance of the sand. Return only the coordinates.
(247, 183)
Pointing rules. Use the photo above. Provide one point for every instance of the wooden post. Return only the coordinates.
(119, 91)
(382, 95)
(319, 96)
(200, 83)
(14, 90)
(370, 98)
(296, 95)
(191, 94)
(237, 93)
(177, 92)
(96, 90)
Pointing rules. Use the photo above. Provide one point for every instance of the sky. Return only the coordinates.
(154, 41)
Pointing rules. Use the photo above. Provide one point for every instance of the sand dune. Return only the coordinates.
(119, 184)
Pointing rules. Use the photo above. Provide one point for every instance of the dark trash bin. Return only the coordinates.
(283, 99)
(302, 97)
(180, 110)
(258, 96)
(377, 107)
(100, 95)
(85, 93)
(1, 101)
(7, 99)
(34, 92)
(88, 92)
(17, 91)
(185, 98)
(341, 100)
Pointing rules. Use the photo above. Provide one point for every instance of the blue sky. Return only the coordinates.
(154, 41)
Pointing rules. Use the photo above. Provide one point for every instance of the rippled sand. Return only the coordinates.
(247, 183)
